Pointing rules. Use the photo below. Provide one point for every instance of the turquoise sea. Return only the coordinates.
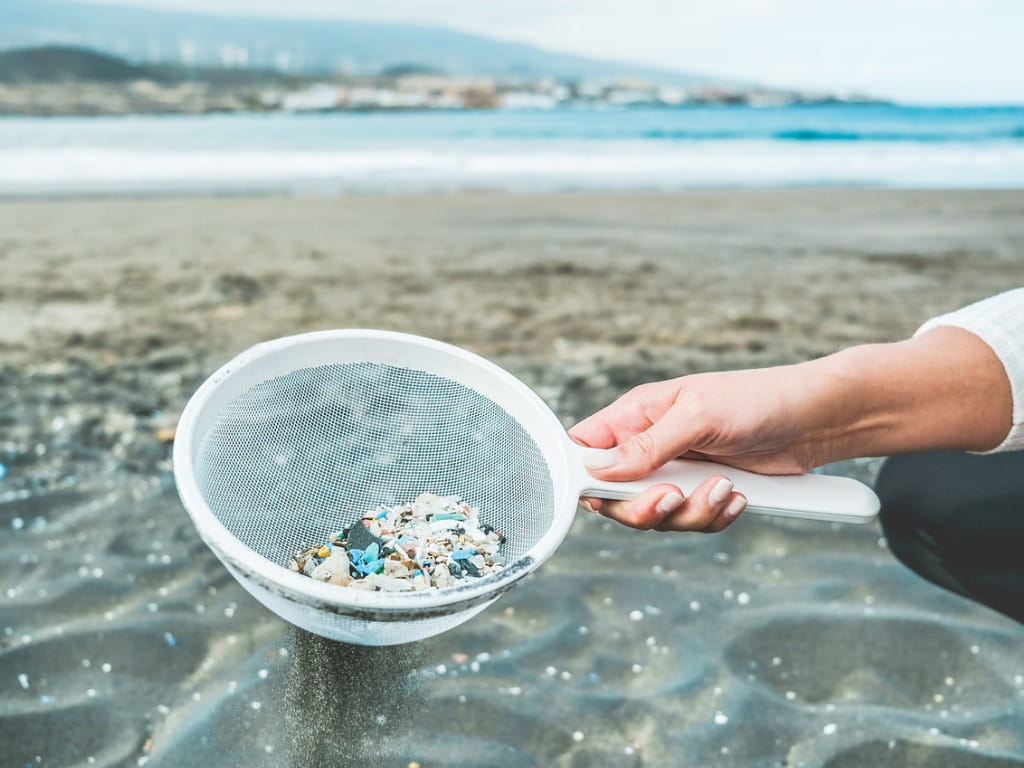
(860, 145)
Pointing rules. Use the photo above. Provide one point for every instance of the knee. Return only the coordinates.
(958, 521)
(916, 507)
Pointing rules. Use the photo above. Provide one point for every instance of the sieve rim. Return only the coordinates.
(271, 575)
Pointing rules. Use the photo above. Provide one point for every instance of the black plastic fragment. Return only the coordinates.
(359, 537)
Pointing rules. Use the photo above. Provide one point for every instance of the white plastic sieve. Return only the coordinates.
(298, 437)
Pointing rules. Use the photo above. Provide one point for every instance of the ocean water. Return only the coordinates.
(844, 145)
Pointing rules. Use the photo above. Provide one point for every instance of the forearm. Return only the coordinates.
(944, 389)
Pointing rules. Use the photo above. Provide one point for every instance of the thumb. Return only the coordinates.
(642, 453)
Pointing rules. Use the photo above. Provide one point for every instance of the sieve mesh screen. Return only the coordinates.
(299, 456)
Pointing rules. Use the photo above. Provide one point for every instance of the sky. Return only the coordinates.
(939, 51)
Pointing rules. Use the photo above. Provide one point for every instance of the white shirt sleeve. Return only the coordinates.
(999, 322)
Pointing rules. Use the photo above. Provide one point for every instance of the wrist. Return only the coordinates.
(945, 389)
(838, 411)
(859, 409)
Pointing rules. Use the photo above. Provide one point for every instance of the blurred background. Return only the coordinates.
(328, 97)
(593, 194)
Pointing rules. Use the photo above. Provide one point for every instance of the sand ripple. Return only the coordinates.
(775, 642)
(124, 642)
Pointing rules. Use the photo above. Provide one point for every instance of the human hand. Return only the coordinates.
(943, 390)
(761, 420)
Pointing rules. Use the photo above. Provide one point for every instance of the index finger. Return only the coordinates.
(609, 426)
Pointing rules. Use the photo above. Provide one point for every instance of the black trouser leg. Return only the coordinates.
(958, 520)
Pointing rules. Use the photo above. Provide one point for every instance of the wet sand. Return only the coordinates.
(123, 640)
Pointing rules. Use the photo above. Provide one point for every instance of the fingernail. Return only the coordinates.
(670, 502)
(586, 505)
(603, 459)
(736, 506)
(720, 492)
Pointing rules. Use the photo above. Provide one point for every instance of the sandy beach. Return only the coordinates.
(777, 643)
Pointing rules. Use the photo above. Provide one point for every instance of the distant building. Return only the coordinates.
(440, 85)
(590, 90)
(51, 80)
(672, 96)
(527, 100)
(630, 97)
(317, 98)
(382, 98)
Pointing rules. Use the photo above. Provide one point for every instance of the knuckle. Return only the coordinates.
(644, 450)
(639, 390)
(708, 517)
(696, 401)
(642, 519)
(701, 518)
(698, 415)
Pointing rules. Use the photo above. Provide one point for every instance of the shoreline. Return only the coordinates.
(201, 194)
(633, 150)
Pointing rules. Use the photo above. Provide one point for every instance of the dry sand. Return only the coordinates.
(705, 277)
(112, 311)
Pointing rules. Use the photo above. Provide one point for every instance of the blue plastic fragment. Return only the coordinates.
(372, 552)
(170, 640)
(356, 555)
(372, 566)
(448, 516)
(463, 554)
(383, 514)
(3, 471)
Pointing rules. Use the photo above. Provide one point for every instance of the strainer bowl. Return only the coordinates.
(299, 437)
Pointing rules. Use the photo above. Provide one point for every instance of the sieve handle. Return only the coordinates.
(811, 497)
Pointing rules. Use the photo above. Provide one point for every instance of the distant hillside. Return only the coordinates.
(70, 64)
(53, 64)
(299, 46)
